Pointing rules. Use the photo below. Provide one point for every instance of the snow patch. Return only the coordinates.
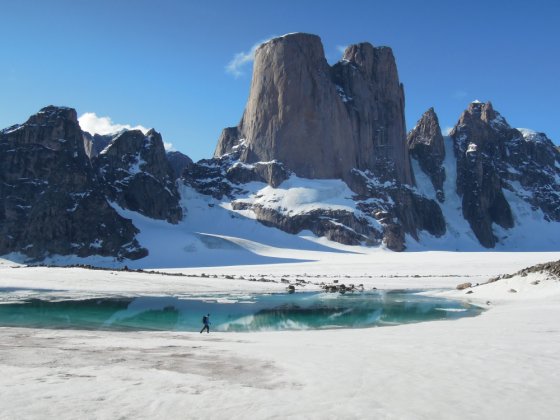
(472, 148)
(298, 196)
(533, 136)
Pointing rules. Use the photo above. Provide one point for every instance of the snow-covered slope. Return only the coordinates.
(214, 234)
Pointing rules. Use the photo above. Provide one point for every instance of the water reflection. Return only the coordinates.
(312, 310)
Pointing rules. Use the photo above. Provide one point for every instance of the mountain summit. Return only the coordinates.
(319, 150)
(322, 121)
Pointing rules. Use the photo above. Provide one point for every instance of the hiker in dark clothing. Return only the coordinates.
(206, 322)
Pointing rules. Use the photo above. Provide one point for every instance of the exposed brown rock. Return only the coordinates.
(344, 122)
(322, 122)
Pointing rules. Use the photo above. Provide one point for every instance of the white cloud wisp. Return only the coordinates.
(93, 124)
(240, 60)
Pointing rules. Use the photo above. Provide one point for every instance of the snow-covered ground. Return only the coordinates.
(504, 363)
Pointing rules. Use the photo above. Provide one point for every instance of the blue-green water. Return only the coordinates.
(311, 310)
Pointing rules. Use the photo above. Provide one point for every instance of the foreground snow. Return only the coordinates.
(504, 363)
(373, 268)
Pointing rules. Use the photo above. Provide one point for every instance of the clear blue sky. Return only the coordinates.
(163, 63)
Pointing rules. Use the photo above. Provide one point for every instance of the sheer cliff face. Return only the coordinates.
(51, 199)
(322, 121)
(341, 122)
(368, 83)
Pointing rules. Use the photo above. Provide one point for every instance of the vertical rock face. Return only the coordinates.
(367, 81)
(50, 199)
(322, 121)
(341, 122)
(425, 144)
(137, 175)
(480, 139)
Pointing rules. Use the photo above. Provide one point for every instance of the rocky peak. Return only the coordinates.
(322, 121)
(481, 139)
(425, 143)
(362, 54)
(427, 131)
(368, 83)
(53, 127)
(51, 113)
(377, 64)
(293, 114)
(487, 112)
(484, 126)
(52, 201)
(345, 122)
(178, 162)
(482, 110)
(138, 176)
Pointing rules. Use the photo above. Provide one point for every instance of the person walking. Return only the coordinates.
(206, 322)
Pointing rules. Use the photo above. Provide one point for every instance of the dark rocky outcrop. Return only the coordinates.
(533, 161)
(322, 121)
(337, 225)
(225, 176)
(178, 162)
(137, 175)
(397, 208)
(272, 172)
(425, 143)
(492, 156)
(479, 140)
(51, 202)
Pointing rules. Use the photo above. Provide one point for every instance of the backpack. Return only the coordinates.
(204, 319)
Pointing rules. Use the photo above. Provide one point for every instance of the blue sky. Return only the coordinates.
(163, 63)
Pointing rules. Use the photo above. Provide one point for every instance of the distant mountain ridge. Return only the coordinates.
(319, 149)
(58, 188)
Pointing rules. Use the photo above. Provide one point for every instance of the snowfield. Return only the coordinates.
(504, 363)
